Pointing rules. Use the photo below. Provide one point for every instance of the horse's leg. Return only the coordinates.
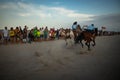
(94, 43)
(93, 40)
(75, 36)
(76, 40)
(66, 42)
(81, 43)
(88, 44)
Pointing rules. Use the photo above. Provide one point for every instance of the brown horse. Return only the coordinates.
(87, 37)
(0, 36)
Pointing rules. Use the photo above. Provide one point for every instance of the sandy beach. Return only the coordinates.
(52, 60)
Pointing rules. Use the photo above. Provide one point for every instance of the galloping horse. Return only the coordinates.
(0, 36)
(87, 37)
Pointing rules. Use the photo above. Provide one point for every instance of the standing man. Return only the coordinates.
(25, 34)
(46, 33)
(5, 35)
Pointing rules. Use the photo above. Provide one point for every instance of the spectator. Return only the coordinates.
(12, 34)
(5, 35)
(46, 33)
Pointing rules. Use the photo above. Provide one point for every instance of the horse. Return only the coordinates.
(87, 37)
(69, 37)
(0, 36)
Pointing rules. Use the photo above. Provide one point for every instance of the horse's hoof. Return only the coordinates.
(89, 49)
(82, 46)
(93, 45)
(66, 44)
(75, 42)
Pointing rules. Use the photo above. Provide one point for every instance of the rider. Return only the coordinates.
(74, 26)
(78, 30)
(91, 28)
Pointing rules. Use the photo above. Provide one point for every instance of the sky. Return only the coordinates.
(60, 13)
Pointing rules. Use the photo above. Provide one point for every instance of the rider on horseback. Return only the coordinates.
(74, 26)
(78, 30)
(87, 36)
(91, 29)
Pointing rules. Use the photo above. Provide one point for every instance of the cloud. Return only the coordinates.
(20, 13)
(71, 13)
(23, 13)
(111, 21)
(56, 3)
(41, 10)
(24, 6)
(62, 10)
(8, 5)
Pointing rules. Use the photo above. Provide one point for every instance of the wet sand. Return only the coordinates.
(52, 60)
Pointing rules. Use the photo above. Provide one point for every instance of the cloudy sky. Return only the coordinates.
(60, 13)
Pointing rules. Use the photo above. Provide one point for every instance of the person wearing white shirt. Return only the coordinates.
(5, 35)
